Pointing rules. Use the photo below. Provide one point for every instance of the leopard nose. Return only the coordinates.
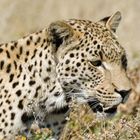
(124, 93)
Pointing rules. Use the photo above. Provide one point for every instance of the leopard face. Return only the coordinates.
(91, 63)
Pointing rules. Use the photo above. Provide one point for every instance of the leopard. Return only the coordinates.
(42, 72)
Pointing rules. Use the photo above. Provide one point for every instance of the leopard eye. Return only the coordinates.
(96, 63)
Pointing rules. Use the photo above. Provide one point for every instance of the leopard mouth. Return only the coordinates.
(100, 109)
(96, 106)
(112, 110)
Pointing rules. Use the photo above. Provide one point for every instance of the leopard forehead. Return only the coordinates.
(95, 37)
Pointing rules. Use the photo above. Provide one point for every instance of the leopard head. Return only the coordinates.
(91, 63)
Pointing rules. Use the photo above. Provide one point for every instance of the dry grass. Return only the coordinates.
(83, 125)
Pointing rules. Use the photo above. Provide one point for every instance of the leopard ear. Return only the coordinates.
(112, 22)
(59, 33)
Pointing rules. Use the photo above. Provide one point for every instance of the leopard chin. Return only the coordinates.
(106, 114)
(103, 113)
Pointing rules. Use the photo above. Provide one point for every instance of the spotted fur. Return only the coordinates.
(74, 58)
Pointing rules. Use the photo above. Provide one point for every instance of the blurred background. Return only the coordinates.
(21, 17)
